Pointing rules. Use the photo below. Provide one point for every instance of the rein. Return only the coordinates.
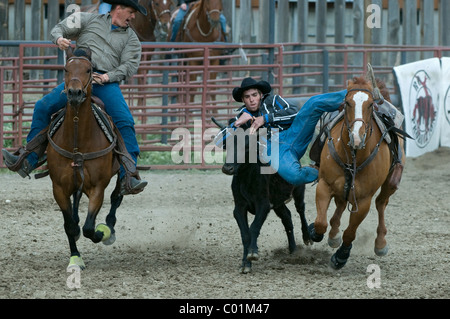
(351, 169)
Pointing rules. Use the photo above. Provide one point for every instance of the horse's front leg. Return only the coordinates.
(323, 198)
(334, 239)
(70, 225)
(339, 259)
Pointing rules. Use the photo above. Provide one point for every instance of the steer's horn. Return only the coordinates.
(371, 76)
(217, 123)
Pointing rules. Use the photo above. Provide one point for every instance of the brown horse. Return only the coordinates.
(354, 164)
(154, 26)
(150, 28)
(202, 24)
(80, 159)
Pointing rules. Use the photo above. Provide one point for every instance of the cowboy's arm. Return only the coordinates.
(69, 28)
(279, 111)
(283, 111)
(130, 59)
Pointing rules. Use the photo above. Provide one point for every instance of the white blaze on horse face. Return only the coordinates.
(359, 98)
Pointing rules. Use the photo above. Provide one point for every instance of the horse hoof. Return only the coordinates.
(340, 257)
(313, 235)
(246, 269)
(337, 263)
(382, 252)
(110, 241)
(334, 242)
(76, 262)
(105, 230)
(253, 256)
(293, 249)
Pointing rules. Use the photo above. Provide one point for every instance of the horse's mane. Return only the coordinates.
(81, 52)
(362, 80)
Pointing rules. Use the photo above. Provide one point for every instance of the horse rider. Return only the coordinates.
(295, 127)
(183, 9)
(116, 54)
(104, 7)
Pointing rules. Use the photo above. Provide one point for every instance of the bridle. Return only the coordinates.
(85, 87)
(349, 125)
(211, 23)
(161, 13)
(349, 166)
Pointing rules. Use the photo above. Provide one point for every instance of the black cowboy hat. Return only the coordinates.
(250, 83)
(129, 3)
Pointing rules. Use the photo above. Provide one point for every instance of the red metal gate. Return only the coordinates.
(172, 101)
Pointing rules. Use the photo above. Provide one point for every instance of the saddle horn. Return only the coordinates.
(376, 91)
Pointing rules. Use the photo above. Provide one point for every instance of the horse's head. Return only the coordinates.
(78, 75)
(358, 111)
(213, 10)
(162, 10)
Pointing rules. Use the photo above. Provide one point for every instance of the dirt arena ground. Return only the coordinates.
(178, 239)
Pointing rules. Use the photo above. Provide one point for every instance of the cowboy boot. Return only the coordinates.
(131, 185)
(11, 160)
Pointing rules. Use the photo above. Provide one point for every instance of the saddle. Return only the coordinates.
(388, 119)
(39, 143)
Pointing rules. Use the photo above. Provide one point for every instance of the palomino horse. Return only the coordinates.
(202, 24)
(354, 164)
(80, 159)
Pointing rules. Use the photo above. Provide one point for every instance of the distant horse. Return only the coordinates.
(80, 159)
(150, 28)
(154, 26)
(355, 162)
(258, 193)
(202, 24)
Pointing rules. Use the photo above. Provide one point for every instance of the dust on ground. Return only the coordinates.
(178, 239)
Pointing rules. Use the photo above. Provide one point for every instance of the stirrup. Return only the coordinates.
(131, 185)
(12, 162)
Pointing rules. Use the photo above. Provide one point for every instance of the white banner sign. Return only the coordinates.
(445, 102)
(420, 86)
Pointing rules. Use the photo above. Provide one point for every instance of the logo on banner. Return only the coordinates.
(424, 112)
(447, 104)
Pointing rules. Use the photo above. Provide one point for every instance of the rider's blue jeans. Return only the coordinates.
(294, 142)
(115, 106)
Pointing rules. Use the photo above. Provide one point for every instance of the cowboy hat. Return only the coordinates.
(129, 3)
(250, 83)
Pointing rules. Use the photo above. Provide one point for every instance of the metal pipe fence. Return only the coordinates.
(181, 85)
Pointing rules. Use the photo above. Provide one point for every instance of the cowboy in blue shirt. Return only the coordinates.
(296, 126)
